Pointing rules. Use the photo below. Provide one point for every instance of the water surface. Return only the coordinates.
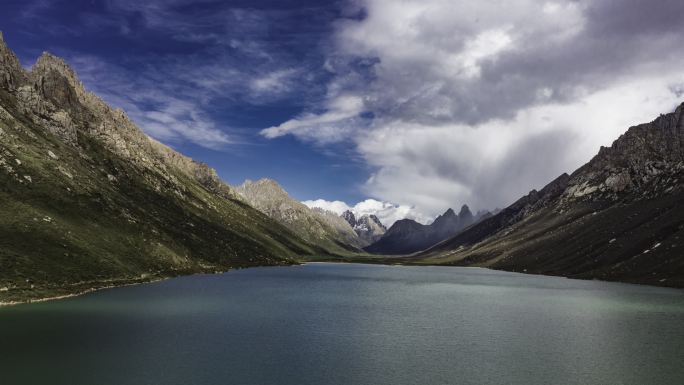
(350, 324)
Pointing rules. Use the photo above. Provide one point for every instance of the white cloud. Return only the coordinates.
(272, 84)
(492, 164)
(337, 207)
(337, 123)
(160, 112)
(465, 103)
(485, 45)
(175, 120)
(386, 212)
(389, 213)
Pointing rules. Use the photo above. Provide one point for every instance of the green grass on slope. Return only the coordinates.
(85, 217)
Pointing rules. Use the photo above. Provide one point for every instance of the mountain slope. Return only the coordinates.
(407, 236)
(619, 217)
(88, 200)
(323, 228)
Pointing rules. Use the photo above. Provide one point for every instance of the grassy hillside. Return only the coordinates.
(83, 213)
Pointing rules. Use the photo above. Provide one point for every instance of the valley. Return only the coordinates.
(90, 201)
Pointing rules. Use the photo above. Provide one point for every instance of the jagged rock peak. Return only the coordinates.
(271, 184)
(265, 186)
(349, 217)
(206, 175)
(645, 160)
(11, 73)
(48, 62)
(3, 45)
(264, 182)
(448, 217)
(465, 211)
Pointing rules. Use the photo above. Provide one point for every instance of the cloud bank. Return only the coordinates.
(461, 102)
(388, 213)
(438, 102)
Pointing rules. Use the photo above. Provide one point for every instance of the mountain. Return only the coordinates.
(320, 227)
(88, 200)
(407, 236)
(368, 227)
(619, 217)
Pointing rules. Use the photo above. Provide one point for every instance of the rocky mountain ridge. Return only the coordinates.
(318, 226)
(407, 236)
(618, 217)
(52, 92)
(89, 200)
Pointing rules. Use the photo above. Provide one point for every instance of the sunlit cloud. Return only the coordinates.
(461, 103)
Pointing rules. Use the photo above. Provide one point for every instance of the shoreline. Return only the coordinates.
(45, 299)
(396, 261)
(5, 304)
(79, 293)
(124, 282)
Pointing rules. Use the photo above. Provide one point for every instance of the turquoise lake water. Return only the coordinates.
(350, 324)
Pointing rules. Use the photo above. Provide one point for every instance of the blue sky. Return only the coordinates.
(420, 105)
(240, 41)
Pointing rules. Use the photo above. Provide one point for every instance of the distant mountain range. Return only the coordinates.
(322, 228)
(407, 236)
(368, 228)
(618, 217)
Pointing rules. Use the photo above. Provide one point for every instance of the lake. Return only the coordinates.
(350, 324)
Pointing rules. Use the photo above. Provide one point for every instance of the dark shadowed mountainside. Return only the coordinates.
(619, 217)
(407, 236)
